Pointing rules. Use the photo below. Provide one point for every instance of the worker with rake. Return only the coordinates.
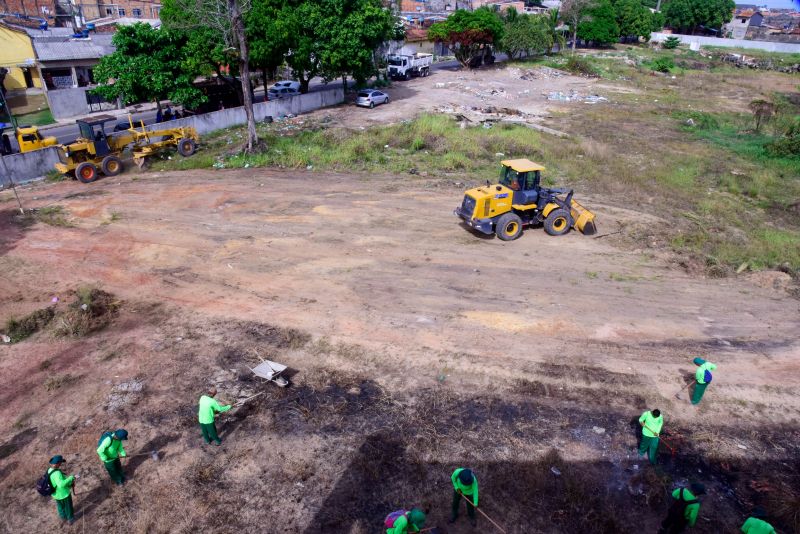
(208, 409)
(756, 524)
(702, 378)
(465, 485)
(404, 522)
(110, 450)
(651, 423)
(684, 509)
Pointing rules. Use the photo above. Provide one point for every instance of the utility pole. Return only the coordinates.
(658, 6)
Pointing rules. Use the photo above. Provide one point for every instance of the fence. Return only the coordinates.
(31, 165)
(769, 46)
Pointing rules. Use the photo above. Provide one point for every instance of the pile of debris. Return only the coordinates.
(574, 96)
(741, 61)
(540, 73)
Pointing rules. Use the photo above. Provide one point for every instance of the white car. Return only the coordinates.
(282, 92)
(371, 97)
(291, 84)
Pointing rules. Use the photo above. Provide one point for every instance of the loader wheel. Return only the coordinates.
(86, 172)
(558, 222)
(111, 165)
(509, 227)
(186, 147)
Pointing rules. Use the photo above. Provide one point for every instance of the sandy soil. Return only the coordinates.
(415, 346)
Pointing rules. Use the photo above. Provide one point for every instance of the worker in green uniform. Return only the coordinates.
(464, 483)
(62, 486)
(209, 407)
(651, 423)
(411, 521)
(110, 450)
(684, 509)
(756, 524)
(702, 377)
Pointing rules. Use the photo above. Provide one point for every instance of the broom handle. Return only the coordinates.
(483, 514)
(687, 385)
(659, 437)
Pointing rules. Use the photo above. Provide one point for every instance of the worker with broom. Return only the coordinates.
(110, 450)
(651, 422)
(404, 522)
(465, 485)
(683, 510)
(702, 378)
(208, 409)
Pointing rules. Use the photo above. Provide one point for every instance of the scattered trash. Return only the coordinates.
(555, 471)
(54, 300)
(635, 467)
(743, 447)
(499, 154)
(6, 339)
(598, 430)
(246, 165)
(309, 167)
(689, 122)
(575, 96)
(84, 307)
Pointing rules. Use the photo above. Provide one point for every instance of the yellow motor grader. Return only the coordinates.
(518, 200)
(94, 151)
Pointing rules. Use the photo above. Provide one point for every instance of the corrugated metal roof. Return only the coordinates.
(50, 32)
(65, 49)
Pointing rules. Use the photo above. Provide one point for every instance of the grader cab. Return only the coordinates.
(95, 151)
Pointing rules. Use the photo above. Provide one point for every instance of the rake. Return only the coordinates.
(483, 513)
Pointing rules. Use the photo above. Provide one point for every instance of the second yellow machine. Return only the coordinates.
(519, 199)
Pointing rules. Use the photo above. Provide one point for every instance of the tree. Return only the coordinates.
(527, 34)
(147, 65)
(352, 32)
(601, 25)
(671, 43)
(633, 19)
(762, 111)
(267, 36)
(575, 12)
(467, 33)
(301, 20)
(690, 15)
(556, 35)
(225, 18)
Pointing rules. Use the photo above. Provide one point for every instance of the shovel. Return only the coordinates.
(678, 394)
(483, 514)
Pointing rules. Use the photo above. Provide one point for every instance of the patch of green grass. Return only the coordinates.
(53, 215)
(591, 275)
(22, 328)
(53, 176)
(37, 118)
(58, 381)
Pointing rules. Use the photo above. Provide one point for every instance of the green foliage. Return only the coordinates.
(466, 33)
(528, 35)
(662, 64)
(601, 25)
(788, 142)
(148, 65)
(580, 65)
(657, 21)
(689, 15)
(671, 43)
(267, 34)
(633, 19)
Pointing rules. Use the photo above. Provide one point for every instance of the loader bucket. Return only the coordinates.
(583, 219)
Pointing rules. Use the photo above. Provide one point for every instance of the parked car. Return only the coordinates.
(291, 84)
(282, 92)
(371, 97)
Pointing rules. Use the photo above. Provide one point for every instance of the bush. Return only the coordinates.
(662, 64)
(580, 65)
(671, 43)
(785, 147)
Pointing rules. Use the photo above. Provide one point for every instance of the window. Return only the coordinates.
(121, 12)
(137, 12)
(109, 11)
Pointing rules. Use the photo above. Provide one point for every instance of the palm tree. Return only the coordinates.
(556, 35)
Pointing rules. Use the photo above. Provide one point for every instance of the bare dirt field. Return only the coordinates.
(415, 347)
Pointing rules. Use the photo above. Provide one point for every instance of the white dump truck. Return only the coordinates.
(403, 67)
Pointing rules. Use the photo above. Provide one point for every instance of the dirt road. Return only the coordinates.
(415, 342)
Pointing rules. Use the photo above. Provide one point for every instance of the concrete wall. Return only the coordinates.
(787, 48)
(66, 103)
(25, 167)
(225, 118)
(31, 165)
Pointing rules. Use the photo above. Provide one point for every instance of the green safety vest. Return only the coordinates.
(208, 406)
(652, 425)
(471, 490)
(110, 449)
(60, 483)
(700, 374)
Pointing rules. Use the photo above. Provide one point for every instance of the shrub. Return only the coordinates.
(671, 43)
(662, 64)
(580, 65)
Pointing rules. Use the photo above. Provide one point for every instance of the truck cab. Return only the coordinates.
(29, 138)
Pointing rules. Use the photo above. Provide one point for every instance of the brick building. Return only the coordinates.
(134, 9)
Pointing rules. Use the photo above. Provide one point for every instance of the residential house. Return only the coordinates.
(103, 9)
(19, 59)
(741, 22)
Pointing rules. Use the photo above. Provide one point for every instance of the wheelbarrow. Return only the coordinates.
(271, 371)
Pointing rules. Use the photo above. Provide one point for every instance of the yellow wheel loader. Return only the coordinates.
(519, 200)
(94, 151)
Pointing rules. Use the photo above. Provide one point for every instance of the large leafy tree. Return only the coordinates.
(601, 25)
(467, 33)
(633, 18)
(527, 34)
(301, 21)
(267, 34)
(352, 32)
(574, 13)
(148, 65)
(690, 15)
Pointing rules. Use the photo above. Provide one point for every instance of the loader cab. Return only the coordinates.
(94, 132)
(524, 178)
